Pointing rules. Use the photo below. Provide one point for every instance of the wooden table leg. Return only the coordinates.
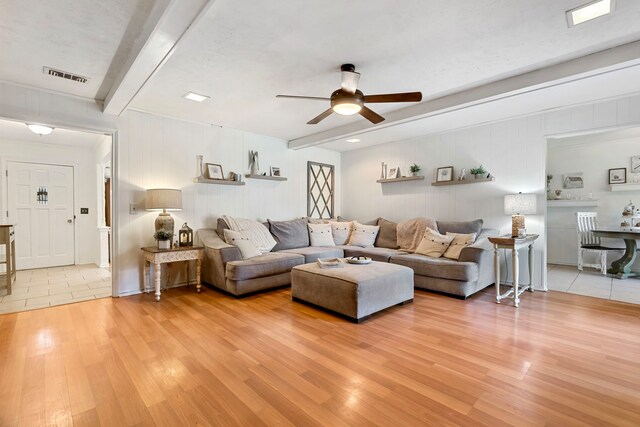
(531, 268)
(516, 276)
(198, 268)
(157, 272)
(145, 277)
(496, 268)
(621, 268)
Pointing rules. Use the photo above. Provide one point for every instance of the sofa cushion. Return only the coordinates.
(372, 222)
(460, 227)
(376, 254)
(222, 225)
(289, 234)
(268, 264)
(459, 242)
(387, 235)
(434, 244)
(363, 235)
(312, 253)
(243, 242)
(438, 267)
(320, 235)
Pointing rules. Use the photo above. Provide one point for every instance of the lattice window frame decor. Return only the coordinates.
(320, 176)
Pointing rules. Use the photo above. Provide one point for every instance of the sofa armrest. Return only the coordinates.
(481, 252)
(217, 253)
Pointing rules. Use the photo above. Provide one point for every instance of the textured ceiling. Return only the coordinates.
(245, 52)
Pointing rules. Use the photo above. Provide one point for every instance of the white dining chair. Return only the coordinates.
(589, 243)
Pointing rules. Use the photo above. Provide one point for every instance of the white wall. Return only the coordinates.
(82, 159)
(514, 151)
(593, 159)
(153, 151)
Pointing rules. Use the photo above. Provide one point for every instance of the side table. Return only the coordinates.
(157, 257)
(8, 239)
(513, 243)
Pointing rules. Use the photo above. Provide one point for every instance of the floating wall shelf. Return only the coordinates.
(464, 181)
(266, 177)
(404, 178)
(633, 186)
(572, 203)
(202, 180)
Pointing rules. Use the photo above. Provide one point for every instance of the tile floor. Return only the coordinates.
(592, 283)
(47, 287)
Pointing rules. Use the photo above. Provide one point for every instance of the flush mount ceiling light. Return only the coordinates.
(195, 97)
(39, 129)
(589, 11)
(353, 140)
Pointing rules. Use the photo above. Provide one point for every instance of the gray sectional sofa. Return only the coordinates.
(224, 268)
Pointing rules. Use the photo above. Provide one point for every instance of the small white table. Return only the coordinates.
(515, 244)
(157, 257)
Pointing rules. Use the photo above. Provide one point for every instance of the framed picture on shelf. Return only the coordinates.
(214, 171)
(572, 180)
(393, 173)
(444, 174)
(275, 171)
(618, 176)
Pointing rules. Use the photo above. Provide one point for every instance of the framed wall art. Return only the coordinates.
(214, 171)
(618, 176)
(444, 174)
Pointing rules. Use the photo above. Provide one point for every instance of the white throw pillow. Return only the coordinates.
(321, 235)
(242, 240)
(363, 235)
(341, 232)
(433, 244)
(459, 242)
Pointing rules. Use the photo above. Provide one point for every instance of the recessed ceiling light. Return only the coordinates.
(196, 97)
(40, 129)
(589, 11)
(353, 140)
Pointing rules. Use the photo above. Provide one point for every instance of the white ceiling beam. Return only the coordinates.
(589, 65)
(168, 24)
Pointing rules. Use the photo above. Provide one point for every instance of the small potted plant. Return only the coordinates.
(164, 238)
(478, 172)
(414, 169)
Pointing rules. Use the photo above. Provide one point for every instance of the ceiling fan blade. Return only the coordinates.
(350, 81)
(371, 115)
(320, 117)
(394, 97)
(314, 98)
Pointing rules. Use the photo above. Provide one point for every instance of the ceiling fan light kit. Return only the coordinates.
(348, 100)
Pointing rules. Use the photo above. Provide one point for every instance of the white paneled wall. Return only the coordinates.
(514, 151)
(154, 151)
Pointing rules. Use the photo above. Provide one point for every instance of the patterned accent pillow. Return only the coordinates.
(242, 241)
(433, 244)
(460, 241)
(363, 235)
(320, 235)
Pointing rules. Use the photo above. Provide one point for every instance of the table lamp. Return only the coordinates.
(517, 205)
(164, 199)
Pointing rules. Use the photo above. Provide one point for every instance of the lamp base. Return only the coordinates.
(164, 221)
(517, 222)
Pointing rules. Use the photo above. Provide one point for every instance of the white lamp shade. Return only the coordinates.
(520, 204)
(164, 198)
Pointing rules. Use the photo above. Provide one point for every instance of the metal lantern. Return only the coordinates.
(185, 236)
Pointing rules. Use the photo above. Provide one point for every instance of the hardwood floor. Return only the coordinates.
(209, 359)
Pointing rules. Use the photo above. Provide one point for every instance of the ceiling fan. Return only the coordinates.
(349, 100)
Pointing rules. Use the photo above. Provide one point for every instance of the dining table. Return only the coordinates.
(621, 268)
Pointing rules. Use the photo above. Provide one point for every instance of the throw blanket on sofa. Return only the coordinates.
(257, 232)
(410, 232)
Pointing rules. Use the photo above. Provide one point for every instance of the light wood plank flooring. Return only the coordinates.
(208, 359)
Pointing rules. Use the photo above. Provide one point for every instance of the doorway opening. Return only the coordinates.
(55, 192)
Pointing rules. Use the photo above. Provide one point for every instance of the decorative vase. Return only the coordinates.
(199, 159)
(164, 244)
(414, 173)
(382, 174)
(478, 175)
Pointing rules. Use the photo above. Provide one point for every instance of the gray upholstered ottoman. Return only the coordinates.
(356, 291)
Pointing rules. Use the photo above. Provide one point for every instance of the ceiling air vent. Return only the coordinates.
(64, 75)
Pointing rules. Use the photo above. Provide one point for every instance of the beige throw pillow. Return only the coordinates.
(459, 242)
(321, 235)
(341, 232)
(242, 240)
(363, 235)
(433, 244)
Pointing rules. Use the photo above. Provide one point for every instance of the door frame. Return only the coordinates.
(4, 183)
(113, 133)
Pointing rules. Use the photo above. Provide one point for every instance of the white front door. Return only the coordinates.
(40, 204)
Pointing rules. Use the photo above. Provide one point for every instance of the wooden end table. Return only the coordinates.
(8, 238)
(157, 257)
(513, 243)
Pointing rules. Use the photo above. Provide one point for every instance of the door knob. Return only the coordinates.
(69, 221)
